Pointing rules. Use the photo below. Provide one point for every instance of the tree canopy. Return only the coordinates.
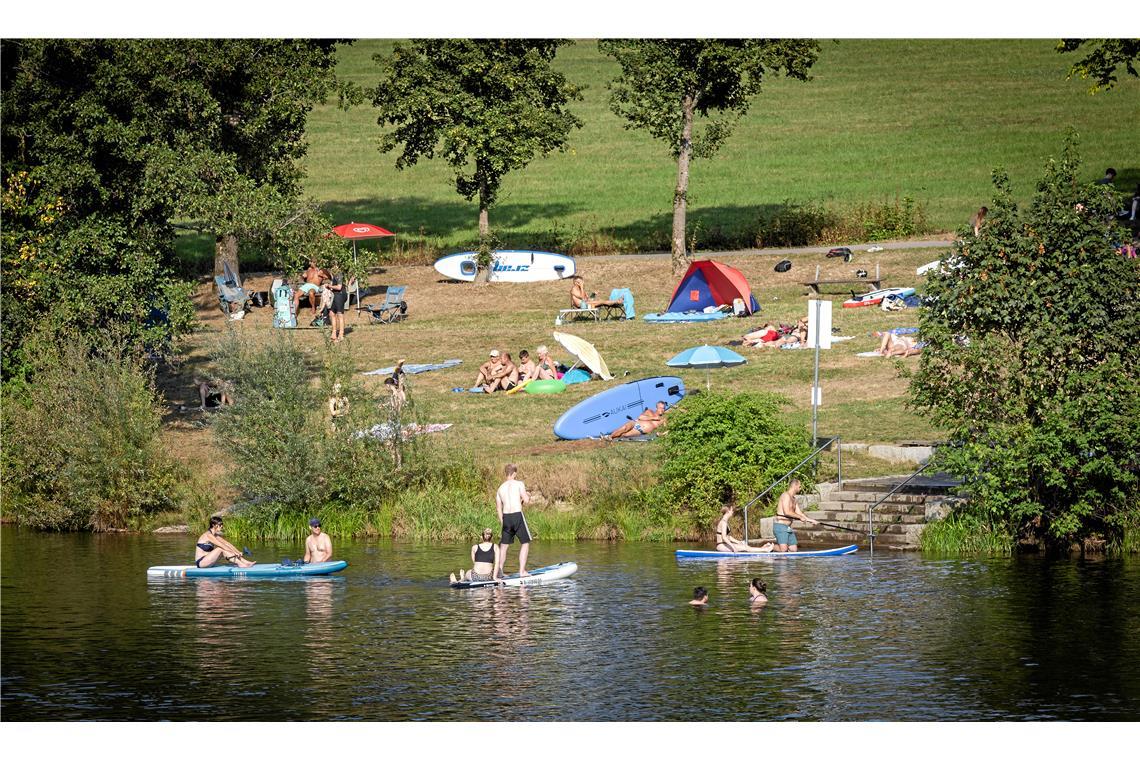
(490, 106)
(105, 142)
(665, 84)
(1033, 361)
(1102, 59)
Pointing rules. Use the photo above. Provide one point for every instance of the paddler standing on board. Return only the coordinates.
(509, 500)
(787, 511)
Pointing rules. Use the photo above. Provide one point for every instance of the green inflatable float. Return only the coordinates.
(545, 386)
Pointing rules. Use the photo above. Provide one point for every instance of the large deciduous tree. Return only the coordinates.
(1102, 59)
(490, 106)
(1032, 362)
(665, 85)
(106, 141)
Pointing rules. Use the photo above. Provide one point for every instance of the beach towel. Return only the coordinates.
(415, 369)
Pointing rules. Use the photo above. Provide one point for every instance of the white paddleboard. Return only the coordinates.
(509, 266)
(928, 267)
(538, 577)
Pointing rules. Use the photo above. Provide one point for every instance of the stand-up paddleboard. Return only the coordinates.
(257, 571)
(604, 412)
(685, 316)
(538, 577)
(928, 267)
(876, 297)
(695, 554)
(509, 266)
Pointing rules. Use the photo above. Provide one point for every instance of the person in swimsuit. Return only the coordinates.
(314, 277)
(545, 368)
(211, 547)
(336, 310)
(487, 371)
(579, 299)
(646, 422)
(318, 546)
(528, 370)
(700, 597)
(757, 592)
(898, 345)
(786, 512)
(726, 543)
(766, 334)
(484, 561)
(509, 501)
(505, 375)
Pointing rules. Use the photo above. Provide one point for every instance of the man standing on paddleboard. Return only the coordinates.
(509, 500)
(786, 512)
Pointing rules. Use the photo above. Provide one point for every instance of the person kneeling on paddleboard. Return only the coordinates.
(484, 561)
(211, 547)
(509, 500)
(786, 512)
(726, 543)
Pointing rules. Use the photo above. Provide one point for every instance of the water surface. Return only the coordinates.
(86, 636)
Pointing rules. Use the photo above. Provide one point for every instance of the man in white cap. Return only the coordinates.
(487, 371)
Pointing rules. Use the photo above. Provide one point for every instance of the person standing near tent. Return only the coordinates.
(579, 300)
(786, 512)
(509, 501)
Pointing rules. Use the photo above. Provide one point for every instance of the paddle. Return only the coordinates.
(840, 527)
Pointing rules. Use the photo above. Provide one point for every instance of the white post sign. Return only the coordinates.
(824, 327)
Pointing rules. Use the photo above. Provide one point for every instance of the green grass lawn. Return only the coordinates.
(928, 119)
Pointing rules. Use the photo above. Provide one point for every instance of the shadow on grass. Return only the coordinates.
(710, 227)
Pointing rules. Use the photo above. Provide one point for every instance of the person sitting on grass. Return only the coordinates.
(901, 346)
(646, 422)
(579, 299)
(487, 370)
(546, 368)
(726, 543)
(211, 547)
(528, 370)
(700, 597)
(504, 376)
(484, 561)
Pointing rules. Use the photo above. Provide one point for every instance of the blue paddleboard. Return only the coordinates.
(604, 412)
(257, 571)
(836, 552)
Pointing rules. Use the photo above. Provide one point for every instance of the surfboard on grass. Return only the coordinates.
(509, 266)
(604, 412)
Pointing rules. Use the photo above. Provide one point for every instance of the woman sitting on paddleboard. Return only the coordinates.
(726, 543)
(211, 547)
(484, 559)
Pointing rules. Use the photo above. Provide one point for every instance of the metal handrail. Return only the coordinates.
(836, 440)
(871, 508)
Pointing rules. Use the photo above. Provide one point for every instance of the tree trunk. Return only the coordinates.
(679, 259)
(484, 273)
(226, 250)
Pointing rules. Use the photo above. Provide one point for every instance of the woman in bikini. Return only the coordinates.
(726, 543)
(211, 547)
(484, 560)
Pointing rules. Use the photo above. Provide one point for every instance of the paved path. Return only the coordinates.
(855, 248)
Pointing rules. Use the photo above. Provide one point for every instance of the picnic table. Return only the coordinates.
(875, 282)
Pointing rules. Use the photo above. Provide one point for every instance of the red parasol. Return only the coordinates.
(361, 230)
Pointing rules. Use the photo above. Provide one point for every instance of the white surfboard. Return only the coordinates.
(509, 266)
(928, 267)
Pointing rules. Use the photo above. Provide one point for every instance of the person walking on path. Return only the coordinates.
(786, 512)
(509, 501)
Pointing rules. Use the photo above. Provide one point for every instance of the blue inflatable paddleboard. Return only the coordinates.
(256, 571)
(604, 412)
(685, 316)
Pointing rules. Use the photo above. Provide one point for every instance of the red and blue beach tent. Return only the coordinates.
(710, 283)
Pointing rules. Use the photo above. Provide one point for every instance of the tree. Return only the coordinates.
(1032, 361)
(665, 85)
(490, 107)
(106, 141)
(726, 448)
(1102, 59)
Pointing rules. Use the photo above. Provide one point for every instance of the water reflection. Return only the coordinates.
(899, 637)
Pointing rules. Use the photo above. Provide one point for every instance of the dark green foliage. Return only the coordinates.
(489, 106)
(725, 449)
(81, 443)
(1033, 361)
(106, 141)
(287, 456)
(1102, 59)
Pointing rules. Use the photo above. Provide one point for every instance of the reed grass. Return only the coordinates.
(963, 533)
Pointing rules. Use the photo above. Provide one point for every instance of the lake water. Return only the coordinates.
(85, 636)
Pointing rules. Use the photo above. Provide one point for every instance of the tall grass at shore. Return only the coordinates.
(963, 533)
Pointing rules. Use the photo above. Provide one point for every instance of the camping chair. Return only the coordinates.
(394, 308)
(625, 310)
(353, 289)
(230, 293)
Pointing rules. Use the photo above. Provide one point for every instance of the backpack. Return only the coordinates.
(783, 266)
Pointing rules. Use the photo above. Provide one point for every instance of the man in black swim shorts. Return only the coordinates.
(509, 500)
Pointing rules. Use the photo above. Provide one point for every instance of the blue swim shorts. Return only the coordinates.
(785, 536)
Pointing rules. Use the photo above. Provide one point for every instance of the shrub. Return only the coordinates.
(82, 449)
(725, 448)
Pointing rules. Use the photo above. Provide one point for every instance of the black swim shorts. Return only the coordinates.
(340, 297)
(514, 524)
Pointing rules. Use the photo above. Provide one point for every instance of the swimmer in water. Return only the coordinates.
(757, 592)
(700, 597)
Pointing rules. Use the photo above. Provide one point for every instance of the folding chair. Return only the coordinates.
(229, 294)
(392, 310)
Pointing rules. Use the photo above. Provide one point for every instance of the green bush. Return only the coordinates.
(724, 449)
(81, 441)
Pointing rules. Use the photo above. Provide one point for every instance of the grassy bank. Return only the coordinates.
(863, 399)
